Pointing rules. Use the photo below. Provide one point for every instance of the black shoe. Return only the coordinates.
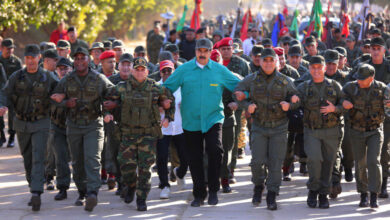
(61, 195)
(2, 138)
(384, 193)
(141, 205)
(363, 200)
(286, 177)
(90, 202)
(312, 199)
(374, 200)
(172, 176)
(111, 183)
(226, 189)
(119, 188)
(49, 185)
(36, 201)
(197, 202)
(348, 174)
(324, 202)
(271, 202)
(80, 200)
(257, 194)
(335, 190)
(213, 198)
(129, 194)
(240, 153)
(303, 169)
(11, 141)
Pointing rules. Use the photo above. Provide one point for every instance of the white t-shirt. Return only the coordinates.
(174, 127)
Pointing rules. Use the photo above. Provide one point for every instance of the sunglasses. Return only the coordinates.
(166, 71)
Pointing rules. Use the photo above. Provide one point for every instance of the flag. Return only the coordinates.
(195, 20)
(279, 24)
(245, 24)
(294, 25)
(182, 19)
(315, 20)
(285, 9)
(232, 35)
(325, 33)
(346, 20)
(362, 15)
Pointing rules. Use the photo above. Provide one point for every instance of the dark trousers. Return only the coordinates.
(162, 157)
(196, 143)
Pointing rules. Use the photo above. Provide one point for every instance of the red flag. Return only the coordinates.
(195, 20)
(346, 20)
(245, 24)
(325, 33)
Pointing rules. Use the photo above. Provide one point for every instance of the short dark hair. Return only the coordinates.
(71, 29)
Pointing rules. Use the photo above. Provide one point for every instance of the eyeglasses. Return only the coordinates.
(166, 71)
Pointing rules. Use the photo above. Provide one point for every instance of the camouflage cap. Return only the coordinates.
(63, 44)
(366, 42)
(331, 56)
(97, 45)
(310, 40)
(351, 38)
(317, 59)
(165, 55)
(286, 39)
(342, 51)
(64, 62)
(117, 44)
(257, 50)
(295, 50)
(236, 48)
(111, 39)
(42, 46)
(126, 57)
(365, 57)
(49, 45)
(268, 52)
(31, 50)
(219, 33)
(266, 42)
(238, 41)
(375, 31)
(140, 49)
(140, 61)
(294, 42)
(365, 71)
(173, 48)
(50, 53)
(204, 43)
(107, 44)
(378, 41)
(81, 50)
(8, 42)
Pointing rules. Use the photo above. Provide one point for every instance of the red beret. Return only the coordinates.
(227, 41)
(165, 64)
(107, 54)
(283, 31)
(279, 51)
(215, 56)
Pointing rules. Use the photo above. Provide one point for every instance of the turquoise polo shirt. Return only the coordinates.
(201, 90)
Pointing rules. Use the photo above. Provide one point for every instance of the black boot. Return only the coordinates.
(374, 200)
(119, 188)
(111, 183)
(324, 202)
(197, 202)
(303, 169)
(141, 205)
(312, 199)
(49, 182)
(2, 138)
(363, 200)
(384, 193)
(91, 201)
(348, 174)
(257, 194)
(213, 198)
(11, 140)
(61, 195)
(80, 200)
(335, 191)
(36, 201)
(129, 194)
(271, 202)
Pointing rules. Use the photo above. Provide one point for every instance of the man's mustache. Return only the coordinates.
(202, 57)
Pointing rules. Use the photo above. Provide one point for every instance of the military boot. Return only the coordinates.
(374, 200)
(303, 169)
(91, 201)
(335, 190)
(36, 201)
(49, 182)
(111, 182)
(324, 202)
(348, 174)
(213, 198)
(141, 205)
(11, 141)
(61, 195)
(119, 188)
(312, 199)
(225, 186)
(257, 194)
(384, 193)
(271, 201)
(363, 200)
(129, 194)
(81, 199)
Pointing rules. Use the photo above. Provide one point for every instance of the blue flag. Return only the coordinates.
(279, 24)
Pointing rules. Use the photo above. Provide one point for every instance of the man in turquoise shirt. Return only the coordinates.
(202, 82)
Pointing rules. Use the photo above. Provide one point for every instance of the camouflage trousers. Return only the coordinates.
(139, 152)
(242, 140)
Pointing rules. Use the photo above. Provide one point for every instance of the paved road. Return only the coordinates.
(237, 205)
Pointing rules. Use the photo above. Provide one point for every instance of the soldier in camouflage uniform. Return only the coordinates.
(154, 43)
(84, 90)
(322, 101)
(343, 60)
(28, 90)
(118, 48)
(63, 49)
(255, 55)
(353, 51)
(140, 51)
(365, 98)
(271, 95)
(74, 41)
(11, 64)
(96, 50)
(311, 47)
(139, 99)
(294, 58)
(284, 68)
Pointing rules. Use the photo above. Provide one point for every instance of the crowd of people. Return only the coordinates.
(188, 98)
